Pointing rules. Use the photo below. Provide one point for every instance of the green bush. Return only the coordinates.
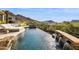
(71, 28)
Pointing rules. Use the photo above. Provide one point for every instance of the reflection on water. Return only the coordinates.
(35, 39)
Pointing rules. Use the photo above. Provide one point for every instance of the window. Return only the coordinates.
(10, 18)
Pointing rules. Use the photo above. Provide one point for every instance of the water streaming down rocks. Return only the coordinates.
(35, 39)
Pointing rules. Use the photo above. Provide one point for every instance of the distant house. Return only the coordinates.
(7, 16)
(2, 16)
(10, 17)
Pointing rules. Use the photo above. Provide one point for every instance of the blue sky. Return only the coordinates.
(44, 14)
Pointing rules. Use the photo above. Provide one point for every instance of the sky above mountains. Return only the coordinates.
(44, 14)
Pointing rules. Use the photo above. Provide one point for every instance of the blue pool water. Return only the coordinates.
(35, 39)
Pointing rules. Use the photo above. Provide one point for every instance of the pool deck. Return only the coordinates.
(12, 34)
(10, 37)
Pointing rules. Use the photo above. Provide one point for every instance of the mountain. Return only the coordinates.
(21, 18)
(75, 21)
(50, 22)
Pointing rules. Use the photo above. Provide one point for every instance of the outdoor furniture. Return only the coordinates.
(8, 28)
